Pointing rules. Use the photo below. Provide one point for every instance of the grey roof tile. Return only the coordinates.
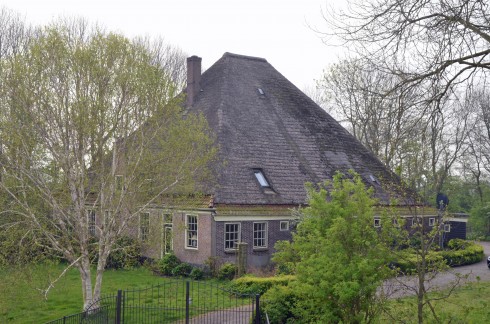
(282, 131)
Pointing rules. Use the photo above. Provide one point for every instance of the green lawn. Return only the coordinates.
(467, 304)
(21, 301)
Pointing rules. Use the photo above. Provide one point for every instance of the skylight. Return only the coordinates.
(260, 91)
(261, 179)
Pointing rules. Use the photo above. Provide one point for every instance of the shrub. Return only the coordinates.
(126, 254)
(254, 285)
(227, 271)
(196, 273)
(463, 253)
(167, 264)
(182, 270)
(213, 264)
(279, 303)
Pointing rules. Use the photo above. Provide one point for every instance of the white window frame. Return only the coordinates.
(377, 222)
(283, 229)
(167, 229)
(235, 240)
(92, 222)
(447, 228)
(265, 232)
(191, 232)
(144, 233)
(432, 221)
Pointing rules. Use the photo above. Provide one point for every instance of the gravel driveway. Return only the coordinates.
(405, 286)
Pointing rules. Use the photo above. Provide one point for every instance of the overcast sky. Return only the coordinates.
(273, 29)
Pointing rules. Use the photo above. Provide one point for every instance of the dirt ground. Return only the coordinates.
(406, 286)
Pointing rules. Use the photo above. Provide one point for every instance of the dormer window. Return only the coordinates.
(261, 179)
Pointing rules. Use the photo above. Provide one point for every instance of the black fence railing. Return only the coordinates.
(171, 302)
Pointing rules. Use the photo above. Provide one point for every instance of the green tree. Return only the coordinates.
(337, 254)
(91, 121)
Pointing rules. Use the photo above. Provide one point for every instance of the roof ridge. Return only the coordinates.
(245, 57)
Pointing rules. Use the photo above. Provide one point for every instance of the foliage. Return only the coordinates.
(480, 220)
(18, 247)
(168, 263)
(196, 273)
(462, 253)
(227, 271)
(341, 259)
(126, 254)
(213, 264)
(91, 121)
(258, 285)
(182, 270)
(279, 304)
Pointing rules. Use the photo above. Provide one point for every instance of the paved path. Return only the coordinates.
(238, 315)
(405, 286)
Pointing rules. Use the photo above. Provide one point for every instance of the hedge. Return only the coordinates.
(460, 253)
(259, 285)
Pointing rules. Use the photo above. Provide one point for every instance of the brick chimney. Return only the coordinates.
(193, 78)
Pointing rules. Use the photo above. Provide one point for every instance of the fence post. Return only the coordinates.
(118, 306)
(187, 302)
(257, 309)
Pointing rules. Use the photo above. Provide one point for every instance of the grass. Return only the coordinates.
(467, 304)
(21, 301)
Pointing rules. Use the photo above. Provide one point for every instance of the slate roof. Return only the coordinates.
(262, 121)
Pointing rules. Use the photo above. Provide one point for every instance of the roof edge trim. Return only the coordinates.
(252, 58)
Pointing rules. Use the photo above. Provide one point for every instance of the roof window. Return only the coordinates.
(261, 91)
(261, 179)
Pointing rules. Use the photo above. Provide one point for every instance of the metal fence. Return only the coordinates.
(171, 302)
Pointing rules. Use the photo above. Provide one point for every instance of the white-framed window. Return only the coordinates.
(377, 222)
(232, 235)
(432, 221)
(91, 220)
(284, 226)
(260, 235)
(447, 228)
(144, 226)
(191, 232)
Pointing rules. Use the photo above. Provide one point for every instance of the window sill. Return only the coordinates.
(259, 249)
(231, 251)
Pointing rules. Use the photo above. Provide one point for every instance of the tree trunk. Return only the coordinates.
(85, 276)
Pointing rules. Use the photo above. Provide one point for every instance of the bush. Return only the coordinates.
(182, 270)
(167, 264)
(126, 254)
(196, 273)
(279, 303)
(254, 285)
(227, 271)
(462, 253)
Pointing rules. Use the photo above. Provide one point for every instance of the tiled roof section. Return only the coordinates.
(264, 122)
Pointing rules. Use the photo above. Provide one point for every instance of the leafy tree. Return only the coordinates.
(338, 258)
(90, 121)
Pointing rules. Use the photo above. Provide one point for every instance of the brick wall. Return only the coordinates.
(256, 257)
(205, 241)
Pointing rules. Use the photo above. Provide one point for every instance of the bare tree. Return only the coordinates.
(435, 44)
(92, 122)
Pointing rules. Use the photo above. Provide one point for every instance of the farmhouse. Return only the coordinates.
(272, 140)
